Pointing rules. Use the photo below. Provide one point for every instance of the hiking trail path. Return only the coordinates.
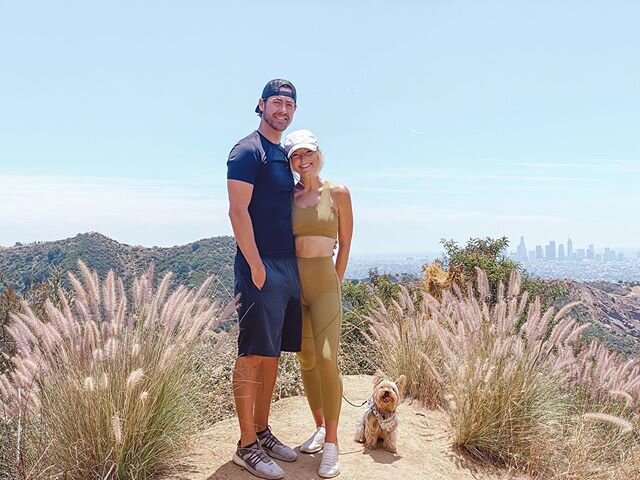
(424, 445)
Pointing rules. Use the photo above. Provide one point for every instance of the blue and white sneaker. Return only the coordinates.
(274, 447)
(257, 462)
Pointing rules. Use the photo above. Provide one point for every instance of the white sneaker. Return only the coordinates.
(314, 443)
(330, 466)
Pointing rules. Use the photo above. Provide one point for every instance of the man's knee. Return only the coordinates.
(248, 361)
(270, 362)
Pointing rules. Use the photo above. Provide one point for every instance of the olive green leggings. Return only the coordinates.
(321, 322)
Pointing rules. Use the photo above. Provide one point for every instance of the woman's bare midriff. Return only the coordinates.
(314, 246)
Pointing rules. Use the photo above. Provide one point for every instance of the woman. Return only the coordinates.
(321, 215)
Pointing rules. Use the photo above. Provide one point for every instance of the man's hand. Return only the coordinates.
(259, 275)
(239, 198)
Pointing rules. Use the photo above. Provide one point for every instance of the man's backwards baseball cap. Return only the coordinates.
(278, 86)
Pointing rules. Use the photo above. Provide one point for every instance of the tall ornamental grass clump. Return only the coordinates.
(404, 343)
(604, 374)
(505, 380)
(106, 386)
(507, 373)
(598, 445)
(603, 434)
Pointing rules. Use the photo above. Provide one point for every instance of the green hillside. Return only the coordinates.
(25, 265)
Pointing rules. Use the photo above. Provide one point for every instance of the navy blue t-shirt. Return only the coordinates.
(257, 161)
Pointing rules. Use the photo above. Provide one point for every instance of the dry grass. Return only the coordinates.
(598, 446)
(106, 387)
(404, 344)
(92, 375)
(519, 388)
(436, 280)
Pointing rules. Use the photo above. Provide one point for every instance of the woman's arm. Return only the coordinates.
(345, 227)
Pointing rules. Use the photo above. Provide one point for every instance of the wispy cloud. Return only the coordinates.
(146, 211)
(405, 173)
(389, 216)
(600, 164)
(427, 215)
(386, 190)
(529, 178)
(468, 174)
(420, 227)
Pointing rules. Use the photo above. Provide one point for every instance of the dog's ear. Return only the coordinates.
(401, 382)
(378, 377)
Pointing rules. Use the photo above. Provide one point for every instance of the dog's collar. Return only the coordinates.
(386, 423)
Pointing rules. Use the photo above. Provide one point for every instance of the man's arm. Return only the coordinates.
(239, 198)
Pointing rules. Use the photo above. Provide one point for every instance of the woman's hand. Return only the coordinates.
(345, 227)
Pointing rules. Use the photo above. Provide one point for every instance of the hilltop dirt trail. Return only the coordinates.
(424, 446)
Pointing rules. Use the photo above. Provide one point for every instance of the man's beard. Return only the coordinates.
(272, 124)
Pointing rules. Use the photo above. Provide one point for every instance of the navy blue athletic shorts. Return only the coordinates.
(271, 318)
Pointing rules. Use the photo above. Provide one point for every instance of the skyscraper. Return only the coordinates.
(521, 252)
(591, 252)
(561, 252)
(550, 250)
(539, 253)
(570, 249)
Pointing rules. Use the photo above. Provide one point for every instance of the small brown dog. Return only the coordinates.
(380, 419)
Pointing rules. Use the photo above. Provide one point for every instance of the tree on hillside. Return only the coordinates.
(487, 254)
(459, 263)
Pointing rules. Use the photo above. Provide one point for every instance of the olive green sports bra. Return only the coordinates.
(319, 220)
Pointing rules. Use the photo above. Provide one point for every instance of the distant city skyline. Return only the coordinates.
(568, 250)
(398, 255)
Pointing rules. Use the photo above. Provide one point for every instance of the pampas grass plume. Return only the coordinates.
(134, 378)
(624, 425)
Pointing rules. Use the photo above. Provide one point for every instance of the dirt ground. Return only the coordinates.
(424, 451)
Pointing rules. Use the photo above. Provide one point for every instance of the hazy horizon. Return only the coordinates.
(469, 119)
(371, 254)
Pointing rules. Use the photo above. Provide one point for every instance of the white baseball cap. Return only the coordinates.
(300, 139)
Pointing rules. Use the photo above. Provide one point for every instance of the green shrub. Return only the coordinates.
(489, 255)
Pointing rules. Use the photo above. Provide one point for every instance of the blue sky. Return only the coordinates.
(445, 118)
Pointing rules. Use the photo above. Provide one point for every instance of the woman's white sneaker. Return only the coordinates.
(314, 443)
(329, 466)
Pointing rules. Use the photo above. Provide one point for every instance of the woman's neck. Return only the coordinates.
(311, 182)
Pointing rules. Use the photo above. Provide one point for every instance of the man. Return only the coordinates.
(260, 187)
